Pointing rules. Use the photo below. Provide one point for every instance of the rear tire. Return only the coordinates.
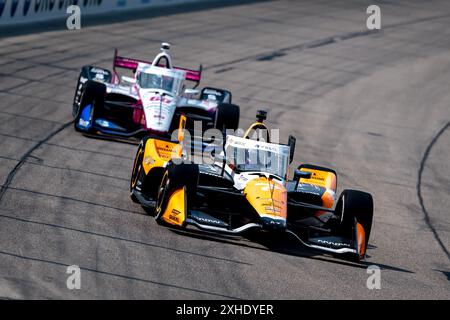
(227, 116)
(354, 207)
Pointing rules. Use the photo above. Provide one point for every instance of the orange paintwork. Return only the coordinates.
(361, 239)
(158, 152)
(268, 197)
(175, 212)
(327, 199)
(320, 178)
(181, 128)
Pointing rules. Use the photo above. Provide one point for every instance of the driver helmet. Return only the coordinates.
(156, 81)
(167, 83)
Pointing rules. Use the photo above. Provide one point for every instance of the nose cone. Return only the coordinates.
(269, 199)
(159, 110)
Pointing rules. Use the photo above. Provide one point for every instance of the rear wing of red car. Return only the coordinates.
(132, 64)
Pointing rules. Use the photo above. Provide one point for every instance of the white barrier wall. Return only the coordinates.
(14, 12)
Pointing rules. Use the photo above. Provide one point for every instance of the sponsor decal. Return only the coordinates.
(26, 7)
(84, 123)
(165, 149)
(149, 160)
(271, 221)
(206, 220)
(103, 123)
(315, 176)
(85, 119)
(158, 98)
(43, 5)
(2, 6)
(332, 243)
(66, 3)
(14, 6)
(213, 92)
(99, 71)
(174, 215)
(275, 222)
(19, 11)
(274, 210)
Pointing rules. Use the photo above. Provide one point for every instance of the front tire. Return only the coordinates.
(355, 210)
(94, 94)
(176, 177)
(137, 171)
(78, 93)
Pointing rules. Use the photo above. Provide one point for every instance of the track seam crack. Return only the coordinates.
(22, 160)
(121, 276)
(419, 189)
(268, 56)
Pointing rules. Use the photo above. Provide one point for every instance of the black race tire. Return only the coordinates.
(94, 93)
(75, 106)
(227, 116)
(84, 73)
(176, 177)
(354, 206)
(137, 170)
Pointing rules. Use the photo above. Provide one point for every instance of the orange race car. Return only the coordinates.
(247, 188)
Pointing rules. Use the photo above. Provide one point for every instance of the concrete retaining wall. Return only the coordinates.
(20, 12)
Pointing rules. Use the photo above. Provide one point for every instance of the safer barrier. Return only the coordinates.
(16, 12)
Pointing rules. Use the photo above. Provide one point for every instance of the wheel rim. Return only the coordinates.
(162, 194)
(342, 209)
(137, 168)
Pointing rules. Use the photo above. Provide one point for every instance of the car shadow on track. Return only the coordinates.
(133, 142)
(283, 244)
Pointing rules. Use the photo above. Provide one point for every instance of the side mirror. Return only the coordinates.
(301, 175)
(291, 144)
(191, 92)
(298, 174)
(128, 80)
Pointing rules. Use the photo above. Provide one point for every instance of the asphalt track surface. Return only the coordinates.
(373, 105)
